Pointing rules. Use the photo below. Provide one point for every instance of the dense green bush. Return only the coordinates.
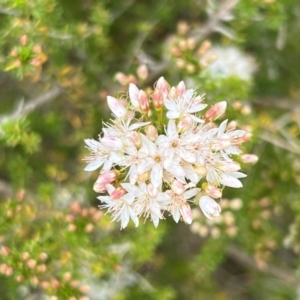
(58, 62)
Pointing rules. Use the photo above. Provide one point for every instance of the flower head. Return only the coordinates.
(151, 168)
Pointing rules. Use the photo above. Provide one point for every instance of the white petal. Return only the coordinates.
(172, 130)
(93, 165)
(138, 125)
(133, 95)
(176, 215)
(238, 175)
(116, 107)
(222, 128)
(230, 181)
(92, 144)
(173, 114)
(156, 175)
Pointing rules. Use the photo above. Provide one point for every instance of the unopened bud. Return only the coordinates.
(215, 111)
(182, 45)
(186, 213)
(112, 142)
(191, 43)
(211, 190)
(117, 193)
(172, 93)
(121, 78)
(31, 263)
(151, 133)
(185, 124)
(204, 48)
(177, 187)
(162, 85)
(143, 101)
(104, 179)
(181, 88)
(135, 137)
(89, 228)
(190, 68)
(209, 207)
(24, 40)
(249, 158)
(182, 27)
(157, 99)
(142, 72)
(152, 190)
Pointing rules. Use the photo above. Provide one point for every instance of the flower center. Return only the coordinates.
(174, 144)
(157, 159)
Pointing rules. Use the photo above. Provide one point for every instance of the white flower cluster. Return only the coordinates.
(158, 155)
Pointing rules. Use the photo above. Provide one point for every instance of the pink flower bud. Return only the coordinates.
(143, 101)
(186, 213)
(157, 99)
(135, 138)
(142, 72)
(104, 179)
(89, 228)
(173, 93)
(43, 256)
(191, 43)
(211, 190)
(84, 288)
(41, 268)
(4, 251)
(112, 143)
(14, 52)
(181, 88)
(230, 167)
(152, 190)
(209, 207)
(117, 193)
(182, 45)
(31, 263)
(151, 133)
(25, 255)
(215, 111)
(185, 124)
(35, 62)
(37, 49)
(24, 40)
(177, 187)
(162, 85)
(121, 78)
(72, 227)
(249, 158)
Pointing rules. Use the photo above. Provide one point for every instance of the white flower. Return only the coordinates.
(121, 208)
(186, 105)
(171, 144)
(156, 161)
(150, 201)
(100, 155)
(209, 207)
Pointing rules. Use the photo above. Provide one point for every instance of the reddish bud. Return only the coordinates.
(117, 193)
(143, 101)
(157, 99)
(215, 111)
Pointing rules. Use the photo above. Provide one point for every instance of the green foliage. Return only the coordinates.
(54, 240)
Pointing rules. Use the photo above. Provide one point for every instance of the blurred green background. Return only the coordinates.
(58, 62)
